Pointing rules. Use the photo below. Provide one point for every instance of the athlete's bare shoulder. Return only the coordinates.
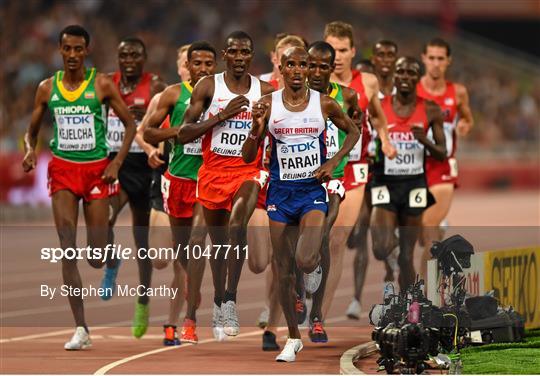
(46, 84)
(329, 105)
(205, 86)
(157, 83)
(44, 90)
(104, 79)
(171, 93)
(461, 90)
(370, 80)
(266, 88)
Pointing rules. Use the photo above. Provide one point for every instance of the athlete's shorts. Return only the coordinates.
(83, 179)
(335, 187)
(439, 172)
(135, 178)
(261, 200)
(288, 203)
(178, 195)
(356, 175)
(410, 196)
(216, 189)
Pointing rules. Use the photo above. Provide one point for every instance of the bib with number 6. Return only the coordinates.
(418, 198)
(380, 195)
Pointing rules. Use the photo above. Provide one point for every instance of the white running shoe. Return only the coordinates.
(79, 341)
(262, 321)
(312, 281)
(231, 327)
(217, 324)
(354, 309)
(292, 347)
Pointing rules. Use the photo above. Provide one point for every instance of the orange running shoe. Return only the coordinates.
(171, 338)
(188, 332)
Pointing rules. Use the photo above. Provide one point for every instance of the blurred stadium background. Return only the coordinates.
(495, 49)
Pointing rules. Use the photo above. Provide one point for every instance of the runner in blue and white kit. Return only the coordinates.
(295, 117)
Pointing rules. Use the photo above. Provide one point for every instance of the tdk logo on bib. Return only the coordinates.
(229, 136)
(74, 119)
(299, 148)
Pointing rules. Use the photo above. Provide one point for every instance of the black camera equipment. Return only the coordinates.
(409, 328)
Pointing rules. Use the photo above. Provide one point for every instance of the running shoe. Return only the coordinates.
(217, 324)
(317, 334)
(79, 341)
(108, 283)
(262, 321)
(292, 347)
(354, 309)
(231, 327)
(171, 336)
(312, 281)
(140, 320)
(269, 341)
(188, 332)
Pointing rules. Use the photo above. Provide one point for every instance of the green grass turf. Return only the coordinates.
(504, 358)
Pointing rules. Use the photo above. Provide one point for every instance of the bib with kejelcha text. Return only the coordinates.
(75, 132)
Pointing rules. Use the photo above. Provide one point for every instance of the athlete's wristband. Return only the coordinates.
(218, 118)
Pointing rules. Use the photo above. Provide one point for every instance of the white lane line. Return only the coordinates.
(101, 304)
(206, 311)
(103, 370)
(244, 306)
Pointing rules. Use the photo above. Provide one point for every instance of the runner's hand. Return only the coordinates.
(463, 127)
(29, 161)
(419, 133)
(154, 158)
(324, 173)
(389, 150)
(235, 106)
(259, 111)
(110, 175)
(137, 111)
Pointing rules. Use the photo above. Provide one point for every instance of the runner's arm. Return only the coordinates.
(107, 91)
(379, 122)
(260, 111)
(151, 123)
(157, 85)
(30, 137)
(353, 109)
(435, 119)
(333, 111)
(466, 121)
